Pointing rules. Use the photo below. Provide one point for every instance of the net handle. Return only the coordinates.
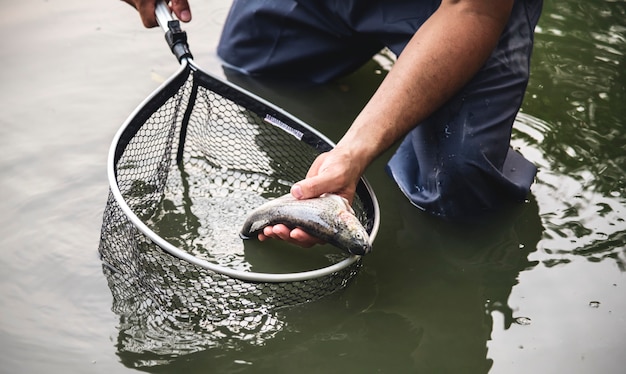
(163, 14)
(176, 38)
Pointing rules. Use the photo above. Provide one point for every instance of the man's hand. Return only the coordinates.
(146, 10)
(334, 171)
(296, 236)
(442, 56)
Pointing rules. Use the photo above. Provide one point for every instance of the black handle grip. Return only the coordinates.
(177, 40)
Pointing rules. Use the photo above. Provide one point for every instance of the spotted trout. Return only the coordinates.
(328, 217)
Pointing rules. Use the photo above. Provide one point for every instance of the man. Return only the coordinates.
(453, 93)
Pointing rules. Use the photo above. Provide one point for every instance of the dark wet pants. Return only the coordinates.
(457, 163)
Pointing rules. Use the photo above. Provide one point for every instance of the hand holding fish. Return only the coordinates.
(329, 218)
(295, 236)
(334, 171)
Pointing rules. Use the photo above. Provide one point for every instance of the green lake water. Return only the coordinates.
(539, 290)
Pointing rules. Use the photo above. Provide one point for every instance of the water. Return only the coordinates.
(541, 290)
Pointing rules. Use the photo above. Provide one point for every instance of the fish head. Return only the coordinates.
(355, 238)
(361, 245)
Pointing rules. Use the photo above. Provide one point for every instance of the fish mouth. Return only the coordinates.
(361, 249)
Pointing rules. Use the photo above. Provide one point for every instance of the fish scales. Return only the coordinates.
(328, 217)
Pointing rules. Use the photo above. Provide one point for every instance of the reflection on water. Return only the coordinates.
(427, 298)
(579, 220)
(578, 84)
(447, 282)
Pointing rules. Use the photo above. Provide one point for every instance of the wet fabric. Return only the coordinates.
(315, 40)
(456, 164)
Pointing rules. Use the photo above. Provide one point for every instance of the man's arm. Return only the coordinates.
(146, 10)
(442, 56)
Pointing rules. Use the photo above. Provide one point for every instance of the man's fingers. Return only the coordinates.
(315, 186)
(303, 239)
(147, 13)
(146, 9)
(296, 236)
(309, 188)
(281, 232)
(181, 10)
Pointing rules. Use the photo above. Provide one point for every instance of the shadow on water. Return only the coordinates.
(446, 280)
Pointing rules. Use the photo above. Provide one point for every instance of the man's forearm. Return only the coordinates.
(443, 55)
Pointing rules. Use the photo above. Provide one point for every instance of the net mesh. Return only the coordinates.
(190, 163)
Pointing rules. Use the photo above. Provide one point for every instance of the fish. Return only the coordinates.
(328, 217)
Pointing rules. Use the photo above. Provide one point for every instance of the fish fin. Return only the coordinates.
(345, 202)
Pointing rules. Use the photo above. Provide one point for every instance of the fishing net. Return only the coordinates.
(185, 169)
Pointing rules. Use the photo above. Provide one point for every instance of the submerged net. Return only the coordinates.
(187, 167)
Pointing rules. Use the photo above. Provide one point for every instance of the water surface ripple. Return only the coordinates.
(578, 87)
